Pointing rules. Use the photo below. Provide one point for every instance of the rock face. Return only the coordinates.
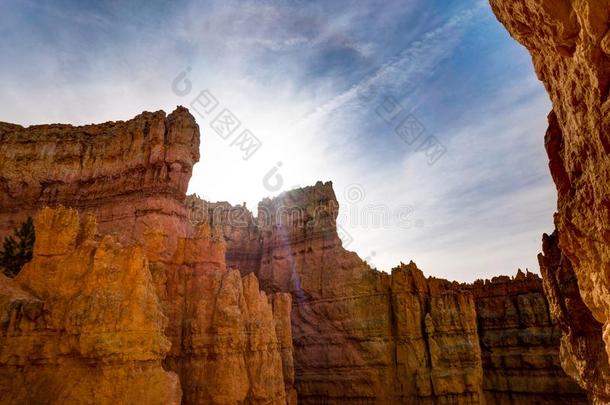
(89, 329)
(365, 336)
(162, 303)
(225, 345)
(359, 335)
(570, 46)
(227, 341)
(520, 344)
(583, 355)
(127, 173)
(237, 225)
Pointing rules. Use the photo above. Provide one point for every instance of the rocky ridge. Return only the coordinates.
(363, 335)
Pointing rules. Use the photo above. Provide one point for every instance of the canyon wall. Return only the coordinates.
(225, 340)
(130, 174)
(360, 334)
(583, 354)
(370, 337)
(569, 41)
(187, 272)
(81, 323)
(520, 344)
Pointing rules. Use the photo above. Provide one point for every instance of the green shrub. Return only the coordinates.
(17, 249)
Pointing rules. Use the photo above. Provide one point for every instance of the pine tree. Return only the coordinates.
(17, 249)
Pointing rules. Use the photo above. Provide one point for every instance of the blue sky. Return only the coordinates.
(308, 79)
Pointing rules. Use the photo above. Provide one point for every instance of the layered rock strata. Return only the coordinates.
(132, 176)
(520, 344)
(128, 173)
(570, 46)
(363, 335)
(359, 335)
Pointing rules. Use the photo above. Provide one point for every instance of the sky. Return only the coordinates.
(426, 116)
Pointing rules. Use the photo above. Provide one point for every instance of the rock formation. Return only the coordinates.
(583, 355)
(129, 174)
(81, 323)
(366, 336)
(227, 341)
(520, 344)
(570, 46)
(225, 347)
(360, 334)
(151, 297)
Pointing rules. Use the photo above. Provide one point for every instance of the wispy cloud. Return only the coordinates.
(408, 68)
(484, 205)
(293, 73)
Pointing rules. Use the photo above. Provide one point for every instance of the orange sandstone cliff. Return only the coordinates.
(157, 297)
(569, 41)
(520, 344)
(81, 323)
(365, 336)
(130, 174)
(196, 319)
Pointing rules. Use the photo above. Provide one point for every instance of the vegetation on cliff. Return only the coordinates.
(17, 249)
